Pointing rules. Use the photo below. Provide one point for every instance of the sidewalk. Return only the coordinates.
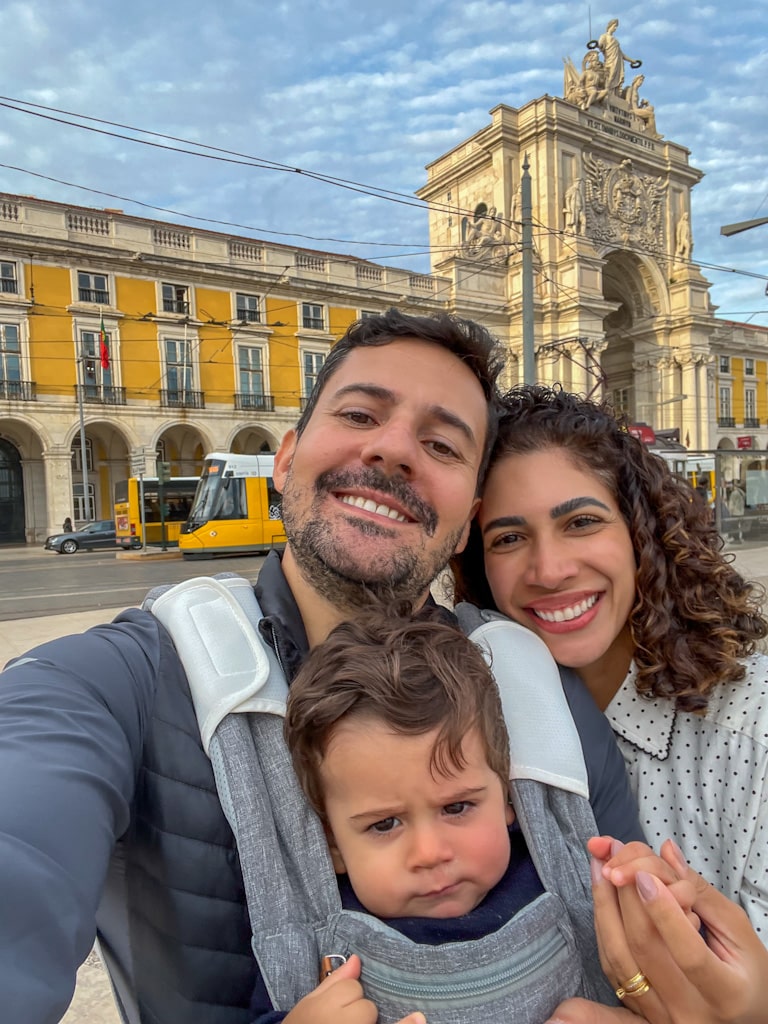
(92, 1003)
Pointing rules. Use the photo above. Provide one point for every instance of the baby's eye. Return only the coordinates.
(460, 807)
(384, 826)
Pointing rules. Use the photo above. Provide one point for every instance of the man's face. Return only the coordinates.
(379, 489)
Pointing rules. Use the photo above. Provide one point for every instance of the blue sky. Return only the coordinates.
(368, 92)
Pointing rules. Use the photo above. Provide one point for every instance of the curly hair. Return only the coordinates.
(414, 674)
(694, 616)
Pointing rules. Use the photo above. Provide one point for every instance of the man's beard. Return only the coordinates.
(334, 572)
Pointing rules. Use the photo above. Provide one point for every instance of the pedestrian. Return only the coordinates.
(736, 505)
(111, 822)
(588, 539)
(67, 527)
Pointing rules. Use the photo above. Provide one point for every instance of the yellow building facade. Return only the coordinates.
(212, 342)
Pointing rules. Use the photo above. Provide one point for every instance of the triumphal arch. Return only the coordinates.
(619, 306)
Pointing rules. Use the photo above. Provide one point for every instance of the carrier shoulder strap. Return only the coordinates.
(214, 624)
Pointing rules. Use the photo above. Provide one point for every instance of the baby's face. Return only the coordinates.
(414, 843)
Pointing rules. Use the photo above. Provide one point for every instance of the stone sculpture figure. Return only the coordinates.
(613, 61)
(683, 239)
(573, 208)
(641, 108)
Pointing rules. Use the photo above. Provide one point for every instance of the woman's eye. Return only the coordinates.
(505, 540)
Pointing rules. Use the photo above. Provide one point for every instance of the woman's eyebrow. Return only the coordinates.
(574, 503)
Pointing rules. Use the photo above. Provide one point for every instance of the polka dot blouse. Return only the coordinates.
(703, 781)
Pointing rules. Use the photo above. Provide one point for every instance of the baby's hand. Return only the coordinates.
(637, 864)
(339, 999)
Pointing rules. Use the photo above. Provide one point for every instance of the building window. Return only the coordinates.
(247, 308)
(175, 298)
(81, 513)
(725, 404)
(313, 362)
(95, 376)
(750, 404)
(620, 401)
(10, 359)
(93, 288)
(77, 458)
(251, 370)
(366, 314)
(725, 364)
(312, 316)
(8, 281)
(749, 367)
(178, 368)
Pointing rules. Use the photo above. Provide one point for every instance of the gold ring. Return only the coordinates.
(637, 985)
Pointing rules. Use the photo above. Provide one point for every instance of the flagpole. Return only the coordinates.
(83, 447)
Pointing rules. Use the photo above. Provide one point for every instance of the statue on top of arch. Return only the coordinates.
(602, 82)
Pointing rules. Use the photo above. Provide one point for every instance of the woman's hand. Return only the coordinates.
(641, 926)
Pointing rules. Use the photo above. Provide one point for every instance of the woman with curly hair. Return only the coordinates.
(587, 538)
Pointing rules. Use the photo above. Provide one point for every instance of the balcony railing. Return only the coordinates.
(175, 306)
(249, 316)
(258, 403)
(182, 399)
(18, 390)
(94, 295)
(751, 422)
(100, 394)
(726, 421)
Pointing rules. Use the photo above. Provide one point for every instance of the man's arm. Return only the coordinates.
(613, 804)
(72, 718)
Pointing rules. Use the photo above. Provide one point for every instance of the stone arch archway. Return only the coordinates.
(641, 374)
(253, 441)
(12, 517)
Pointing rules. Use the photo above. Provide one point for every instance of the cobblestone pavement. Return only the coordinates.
(93, 1002)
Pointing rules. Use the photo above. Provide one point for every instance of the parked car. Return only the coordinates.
(99, 534)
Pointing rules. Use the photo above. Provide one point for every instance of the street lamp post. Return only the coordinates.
(83, 446)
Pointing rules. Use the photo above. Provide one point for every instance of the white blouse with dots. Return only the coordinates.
(703, 781)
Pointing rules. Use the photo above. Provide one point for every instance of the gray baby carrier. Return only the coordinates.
(546, 953)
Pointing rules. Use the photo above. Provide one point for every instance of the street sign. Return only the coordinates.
(138, 462)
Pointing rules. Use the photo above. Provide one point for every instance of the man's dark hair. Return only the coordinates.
(466, 339)
(413, 674)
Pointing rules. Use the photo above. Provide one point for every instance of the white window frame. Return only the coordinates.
(11, 318)
(724, 402)
(314, 348)
(178, 287)
(366, 314)
(323, 329)
(750, 403)
(724, 364)
(18, 293)
(92, 325)
(5, 322)
(749, 367)
(178, 339)
(256, 307)
(77, 454)
(92, 275)
(263, 352)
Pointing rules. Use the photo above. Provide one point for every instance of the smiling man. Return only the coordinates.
(110, 816)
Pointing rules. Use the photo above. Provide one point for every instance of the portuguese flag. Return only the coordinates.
(103, 346)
